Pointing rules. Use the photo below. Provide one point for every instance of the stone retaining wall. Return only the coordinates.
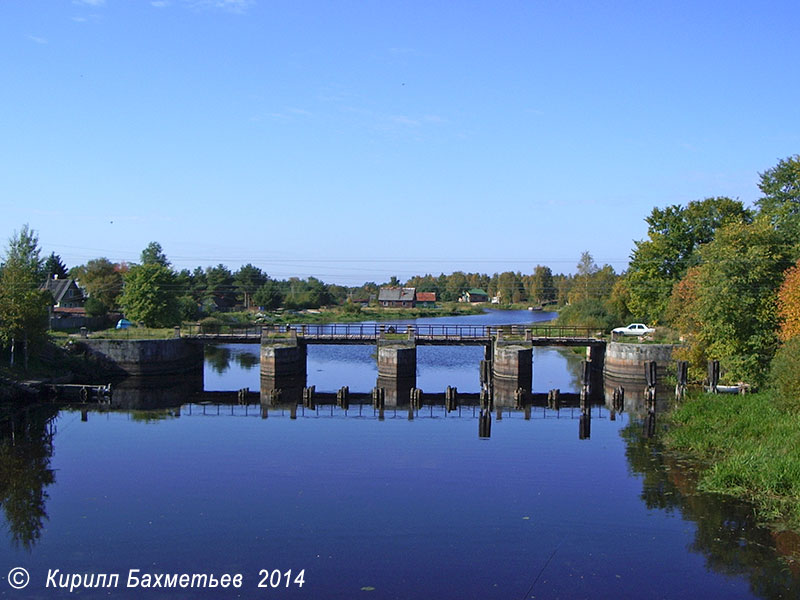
(625, 361)
(147, 357)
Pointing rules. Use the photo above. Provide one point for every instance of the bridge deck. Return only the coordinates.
(424, 335)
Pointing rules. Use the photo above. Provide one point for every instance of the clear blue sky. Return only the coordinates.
(353, 141)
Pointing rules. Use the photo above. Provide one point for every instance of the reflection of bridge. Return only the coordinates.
(422, 335)
(430, 399)
(506, 371)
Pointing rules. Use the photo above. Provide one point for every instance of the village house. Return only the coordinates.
(67, 310)
(66, 293)
(475, 295)
(397, 297)
(426, 299)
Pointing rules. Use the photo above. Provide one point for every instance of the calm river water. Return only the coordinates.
(370, 508)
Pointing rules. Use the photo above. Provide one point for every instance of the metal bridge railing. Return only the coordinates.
(368, 332)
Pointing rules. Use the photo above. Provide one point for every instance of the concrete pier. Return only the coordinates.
(512, 368)
(397, 370)
(283, 367)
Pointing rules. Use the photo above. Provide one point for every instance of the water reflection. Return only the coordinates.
(219, 358)
(26, 448)
(727, 533)
(155, 392)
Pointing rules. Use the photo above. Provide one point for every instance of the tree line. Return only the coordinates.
(723, 276)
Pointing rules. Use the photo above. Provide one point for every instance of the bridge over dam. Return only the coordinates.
(506, 371)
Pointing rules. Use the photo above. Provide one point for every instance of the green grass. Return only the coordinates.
(134, 333)
(747, 446)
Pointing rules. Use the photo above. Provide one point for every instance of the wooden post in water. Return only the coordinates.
(486, 400)
(378, 398)
(586, 379)
(485, 424)
(585, 426)
(415, 397)
(343, 397)
(650, 373)
(554, 399)
(450, 399)
(618, 399)
(308, 397)
(651, 376)
(519, 398)
(682, 372)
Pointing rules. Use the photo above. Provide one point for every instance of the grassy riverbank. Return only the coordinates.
(375, 313)
(747, 446)
(315, 316)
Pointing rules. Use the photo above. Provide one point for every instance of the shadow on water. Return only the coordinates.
(26, 448)
(727, 533)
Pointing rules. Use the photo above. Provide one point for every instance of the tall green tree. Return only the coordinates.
(23, 305)
(674, 234)
(247, 280)
(735, 300)
(154, 255)
(457, 284)
(53, 265)
(591, 282)
(101, 279)
(269, 295)
(23, 250)
(219, 286)
(542, 287)
(780, 187)
(150, 296)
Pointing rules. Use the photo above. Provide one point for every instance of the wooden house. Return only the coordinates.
(476, 295)
(66, 293)
(426, 299)
(397, 297)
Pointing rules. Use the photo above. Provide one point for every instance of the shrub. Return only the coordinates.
(210, 325)
(784, 377)
(351, 308)
(95, 308)
(587, 313)
(188, 308)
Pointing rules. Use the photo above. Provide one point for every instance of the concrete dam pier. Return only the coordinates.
(506, 372)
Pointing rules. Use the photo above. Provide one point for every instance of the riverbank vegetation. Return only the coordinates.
(747, 446)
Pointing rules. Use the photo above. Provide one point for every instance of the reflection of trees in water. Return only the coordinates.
(153, 415)
(574, 368)
(220, 357)
(727, 533)
(247, 360)
(26, 446)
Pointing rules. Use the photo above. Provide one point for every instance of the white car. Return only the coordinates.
(633, 329)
